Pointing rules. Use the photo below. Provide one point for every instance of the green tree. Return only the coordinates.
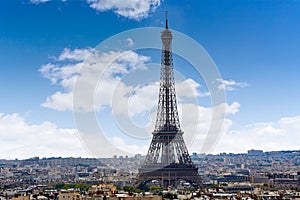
(128, 188)
(214, 186)
(139, 191)
(59, 185)
(81, 186)
(155, 187)
(118, 187)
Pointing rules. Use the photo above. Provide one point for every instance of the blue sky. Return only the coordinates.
(255, 45)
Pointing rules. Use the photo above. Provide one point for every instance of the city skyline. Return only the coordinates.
(42, 43)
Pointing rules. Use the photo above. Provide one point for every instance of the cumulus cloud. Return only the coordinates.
(76, 54)
(196, 121)
(203, 126)
(132, 9)
(20, 139)
(38, 1)
(130, 148)
(144, 98)
(282, 134)
(230, 85)
(86, 67)
(189, 88)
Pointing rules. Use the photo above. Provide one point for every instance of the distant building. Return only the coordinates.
(298, 177)
(253, 152)
(21, 198)
(125, 197)
(233, 179)
(285, 183)
(139, 157)
(245, 172)
(102, 189)
(69, 196)
(260, 179)
(236, 188)
(194, 156)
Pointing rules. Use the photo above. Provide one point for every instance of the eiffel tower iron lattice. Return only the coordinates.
(167, 160)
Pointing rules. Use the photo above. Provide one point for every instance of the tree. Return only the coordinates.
(119, 187)
(155, 187)
(59, 185)
(81, 186)
(128, 188)
(214, 186)
(139, 191)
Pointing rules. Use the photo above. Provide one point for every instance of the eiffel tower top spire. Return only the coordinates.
(167, 119)
(167, 27)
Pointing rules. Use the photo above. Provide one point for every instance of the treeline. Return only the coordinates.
(81, 186)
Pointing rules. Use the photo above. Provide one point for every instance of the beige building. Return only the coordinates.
(21, 198)
(103, 189)
(69, 196)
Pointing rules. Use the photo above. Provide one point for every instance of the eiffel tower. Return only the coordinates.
(167, 160)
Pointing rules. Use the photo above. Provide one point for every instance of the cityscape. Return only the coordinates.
(256, 175)
(137, 108)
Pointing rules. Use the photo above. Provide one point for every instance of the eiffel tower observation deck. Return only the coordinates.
(167, 160)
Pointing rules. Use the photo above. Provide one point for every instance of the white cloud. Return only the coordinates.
(189, 88)
(230, 85)
(144, 99)
(268, 136)
(76, 54)
(19, 139)
(233, 108)
(204, 125)
(38, 1)
(55, 73)
(132, 9)
(130, 42)
(59, 101)
(268, 129)
(129, 148)
(86, 67)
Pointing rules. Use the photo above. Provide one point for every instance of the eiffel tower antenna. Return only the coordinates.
(167, 160)
(167, 20)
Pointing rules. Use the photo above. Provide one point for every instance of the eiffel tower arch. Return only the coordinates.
(167, 160)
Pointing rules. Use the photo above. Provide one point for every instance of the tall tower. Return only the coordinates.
(167, 160)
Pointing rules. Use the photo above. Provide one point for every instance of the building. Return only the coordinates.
(69, 196)
(253, 152)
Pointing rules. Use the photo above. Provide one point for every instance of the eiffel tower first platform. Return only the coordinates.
(167, 160)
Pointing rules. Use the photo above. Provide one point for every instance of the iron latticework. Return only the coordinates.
(167, 160)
